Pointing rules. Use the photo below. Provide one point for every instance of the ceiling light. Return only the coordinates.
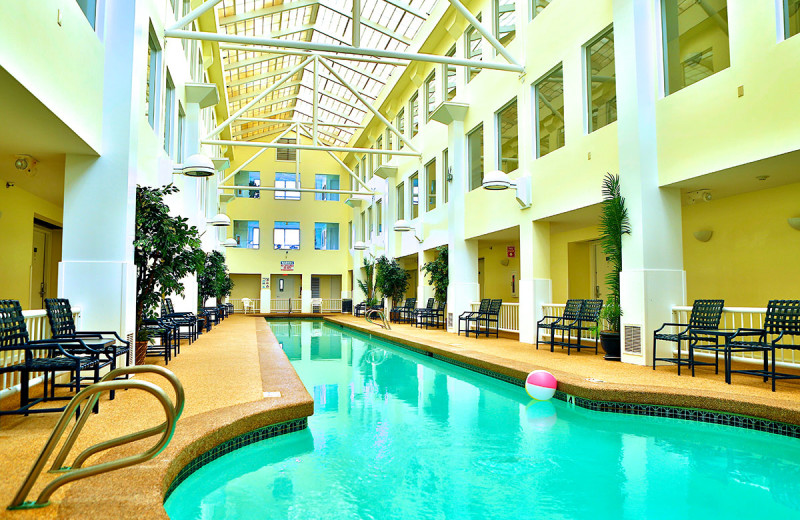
(497, 180)
(360, 246)
(21, 163)
(220, 219)
(402, 225)
(197, 165)
(230, 242)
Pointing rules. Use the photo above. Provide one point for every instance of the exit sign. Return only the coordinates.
(287, 265)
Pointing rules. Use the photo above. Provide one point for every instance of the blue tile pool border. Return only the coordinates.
(240, 441)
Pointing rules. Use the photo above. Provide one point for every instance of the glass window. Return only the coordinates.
(537, 6)
(89, 8)
(286, 154)
(153, 78)
(350, 234)
(474, 52)
(695, 41)
(401, 201)
(791, 17)
(430, 180)
(414, 183)
(449, 76)
(369, 222)
(286, 235)
(286, 180)
(401, 127)
(169, 117)
(187, 7)
(508, 138)
(181, 129)
(505, 21)
(602, 81)
(430, 96)
(326, 236)
(246, 233)
(446, 175)
(364, 225)
(378, 157)
(388, 144)
(549, 94)
(379, 215)
(248, 178)
(475, 157)
(323, 181)
(414, 112)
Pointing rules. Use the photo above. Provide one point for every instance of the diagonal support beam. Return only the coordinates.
(336, 55)
(322, 148)
(369, 106)
(194, 14)
(484, 31)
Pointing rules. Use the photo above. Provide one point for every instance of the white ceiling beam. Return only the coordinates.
(303, 190)
(484, 31)
(258, 77)
(320, 123)
(407, 8)
(369, 23)
(194, 14)
(257, 144)
(315, 107)
(336, 55)
(348, 170)
(305, 127)
(356, 18)
(248, 95)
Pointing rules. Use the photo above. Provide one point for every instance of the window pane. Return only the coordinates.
(602, 82)
(791, 13)
(414, 196)
(153, 74)
(324, 181)
(446, 175)
(286, 235)
(450, 76)
(414, 115)
(475, 159)
(369, 223)
(401, 127)
(246, 233)
(89, 8)
(326, 236)
(430, 96)
(508, 160)
(695, 41)
(169, 117)
(430, 179)
(286, 180)
(537, 6)
(550, 112)
(378, 158)
(379, 216)
(505, 20)
(401, 201)
(248, 178)
(474, 51)
(286, 154)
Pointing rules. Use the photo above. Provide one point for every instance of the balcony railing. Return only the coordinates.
(38, 328)
(238, 306)
(331, 305)
(509, 316)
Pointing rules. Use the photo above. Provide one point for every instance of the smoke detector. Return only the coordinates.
(696, 196)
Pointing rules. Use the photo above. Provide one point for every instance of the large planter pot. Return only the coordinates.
(141, 352)
(611, 345)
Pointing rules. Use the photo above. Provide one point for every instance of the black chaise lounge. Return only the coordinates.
(706, 314)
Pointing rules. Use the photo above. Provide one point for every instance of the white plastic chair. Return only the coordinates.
(247, 303)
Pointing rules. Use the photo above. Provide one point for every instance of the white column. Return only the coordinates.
(305, 297)
(535, 284)
(266, 294)
(652, 279)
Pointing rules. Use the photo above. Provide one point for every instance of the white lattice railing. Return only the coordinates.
(740, 317)
(509, 316)
(238, 306)
(38, 328)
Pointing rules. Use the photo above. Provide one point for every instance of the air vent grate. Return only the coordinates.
(633, 339)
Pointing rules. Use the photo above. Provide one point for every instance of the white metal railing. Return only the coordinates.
(238, 306)
(740, 317)
(277, 305)
(38, 328)
(331, 305)
(297, 304)
(509, 316)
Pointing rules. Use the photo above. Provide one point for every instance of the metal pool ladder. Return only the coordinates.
(383, 323)
(89, 396)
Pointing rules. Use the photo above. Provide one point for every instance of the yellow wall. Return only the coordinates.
(246, 286)
(560, 261)
(496, 276)
(579, 271)
(753, 255)
(17, 210)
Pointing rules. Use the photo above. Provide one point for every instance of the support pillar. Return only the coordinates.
(535, 284)
(266, 294)
(305, 296)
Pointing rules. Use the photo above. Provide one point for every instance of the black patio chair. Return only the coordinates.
(212, 313)
(394, 312)
(570, 315)
(435, 317)
(487, 318)
(416, 314)
(466, 315)
(586, 321)
(184, 320)
(167, 333)
(46, 356)
(403, 314)
(706, 314)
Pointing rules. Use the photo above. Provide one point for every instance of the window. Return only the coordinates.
(508, 138)
(537, 6)
(356, 173)
(153, 78)
(602, 86)
(401, 127)
(364, 236)
(181, 129)
(475, 157)
(169, 117)
(549, 93)
(246, 233)
(401, 201)
(286, 154)
(350, 234)
(695, 41)
(430, 96)
(89, 8)
(379, 215)
(378, 158)
(369, 223)
(323, 181)
(446, 175)
(286, 180)
(791, 17)
(449, 77)
(414, 112)
(474, 51)
(505, 21)
(326, 236)
(187, 7)
(248, 178)
(388, 144)
(430, 180)
(286, 235)
(414, 183)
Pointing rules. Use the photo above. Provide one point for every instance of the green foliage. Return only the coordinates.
(614, 223)
(390, 279)
(367, 285)
(165, 250)
(438, 275)
(213, 281)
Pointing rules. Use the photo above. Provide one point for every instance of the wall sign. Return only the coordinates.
(511, 251)
(287, 265)
(265, 282)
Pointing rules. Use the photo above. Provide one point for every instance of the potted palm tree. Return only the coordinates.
(614, 223)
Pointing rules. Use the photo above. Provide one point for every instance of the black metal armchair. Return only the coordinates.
(416, 314)
(705, 315)
(570, 315)
(465, 316)
(403, 313)
(184, 320)
(434, 317)
(168, 335)
(487, 318)
(586, 321)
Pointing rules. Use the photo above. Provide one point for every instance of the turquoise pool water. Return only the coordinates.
(396, 435)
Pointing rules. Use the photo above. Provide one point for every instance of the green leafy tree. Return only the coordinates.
(438, 275)
(165, 250)
(390, 279)
(614, 222)
(214, 281)
(367, 285)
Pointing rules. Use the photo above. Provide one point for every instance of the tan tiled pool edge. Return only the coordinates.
(595, 391)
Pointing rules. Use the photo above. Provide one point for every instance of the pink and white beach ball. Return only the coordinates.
(541, 385)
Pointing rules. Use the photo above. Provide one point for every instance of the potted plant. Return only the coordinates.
(166, 249)
(614, 223)
(390, 279)
(213, 281)
(367, 285)
(437, 273)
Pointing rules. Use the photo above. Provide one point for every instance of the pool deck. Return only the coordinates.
(226, 371)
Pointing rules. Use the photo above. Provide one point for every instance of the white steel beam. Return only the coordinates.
(406, 153)
(348, 170)
(303, 190)
(407, 8)
(484, 31)
(265, 75)
(356, 23)
(194, 14)
(248, 95)
(367, 59)
(315, 108)
(287, 121)
(266, 11)
(307, 131)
